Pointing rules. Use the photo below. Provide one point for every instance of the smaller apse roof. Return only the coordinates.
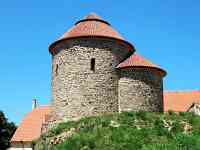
(138, 61)
(92, 26)
(180, 101)
(30, 126)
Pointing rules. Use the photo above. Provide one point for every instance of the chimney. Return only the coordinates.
(34, 103)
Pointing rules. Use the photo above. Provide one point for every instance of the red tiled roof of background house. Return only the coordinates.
(92, 17)
(30, 126)
(180, 101)
(139, 61)
(92, 26)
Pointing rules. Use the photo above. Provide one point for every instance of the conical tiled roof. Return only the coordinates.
(92, 26)
(138, 61)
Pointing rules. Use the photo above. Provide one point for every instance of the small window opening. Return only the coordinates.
(56, 70)
(92, 65)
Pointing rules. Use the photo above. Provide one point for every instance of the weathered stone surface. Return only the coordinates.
(195, 108)
(78, 91)
(140, 90)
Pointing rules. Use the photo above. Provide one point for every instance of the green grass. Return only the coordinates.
(128, 131)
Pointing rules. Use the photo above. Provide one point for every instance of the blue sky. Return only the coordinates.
(166, 32)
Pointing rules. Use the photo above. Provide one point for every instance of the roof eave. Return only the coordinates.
(52, 46)
(161, 71)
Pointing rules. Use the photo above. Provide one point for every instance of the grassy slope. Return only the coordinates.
(128, 131)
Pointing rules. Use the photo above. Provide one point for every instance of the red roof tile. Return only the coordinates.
(180, 101)
(30, 127)
(91, 26)
(139, 61)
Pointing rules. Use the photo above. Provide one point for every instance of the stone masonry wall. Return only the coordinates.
(78, 91)
(140, 90)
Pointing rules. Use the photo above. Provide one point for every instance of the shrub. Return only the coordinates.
(127, 131)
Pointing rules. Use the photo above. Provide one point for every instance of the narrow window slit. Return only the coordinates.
(92, 65)
(56, 70)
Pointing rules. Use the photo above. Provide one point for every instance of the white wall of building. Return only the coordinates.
(20, 146)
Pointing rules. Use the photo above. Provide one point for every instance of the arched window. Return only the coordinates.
(92, 64)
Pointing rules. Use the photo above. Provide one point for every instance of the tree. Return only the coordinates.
(7, 129)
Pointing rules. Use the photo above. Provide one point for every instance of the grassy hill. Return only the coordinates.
(126, 131)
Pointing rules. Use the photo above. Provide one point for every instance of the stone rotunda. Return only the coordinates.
(95, 71)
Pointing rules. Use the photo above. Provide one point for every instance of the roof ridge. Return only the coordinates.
(92, 17)
(142, 58)
(46, 105)
(183, 90)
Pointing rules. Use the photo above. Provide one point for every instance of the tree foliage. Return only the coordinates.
(7, 129)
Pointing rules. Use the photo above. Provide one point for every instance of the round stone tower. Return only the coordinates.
(84, 78)
(140, 85)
